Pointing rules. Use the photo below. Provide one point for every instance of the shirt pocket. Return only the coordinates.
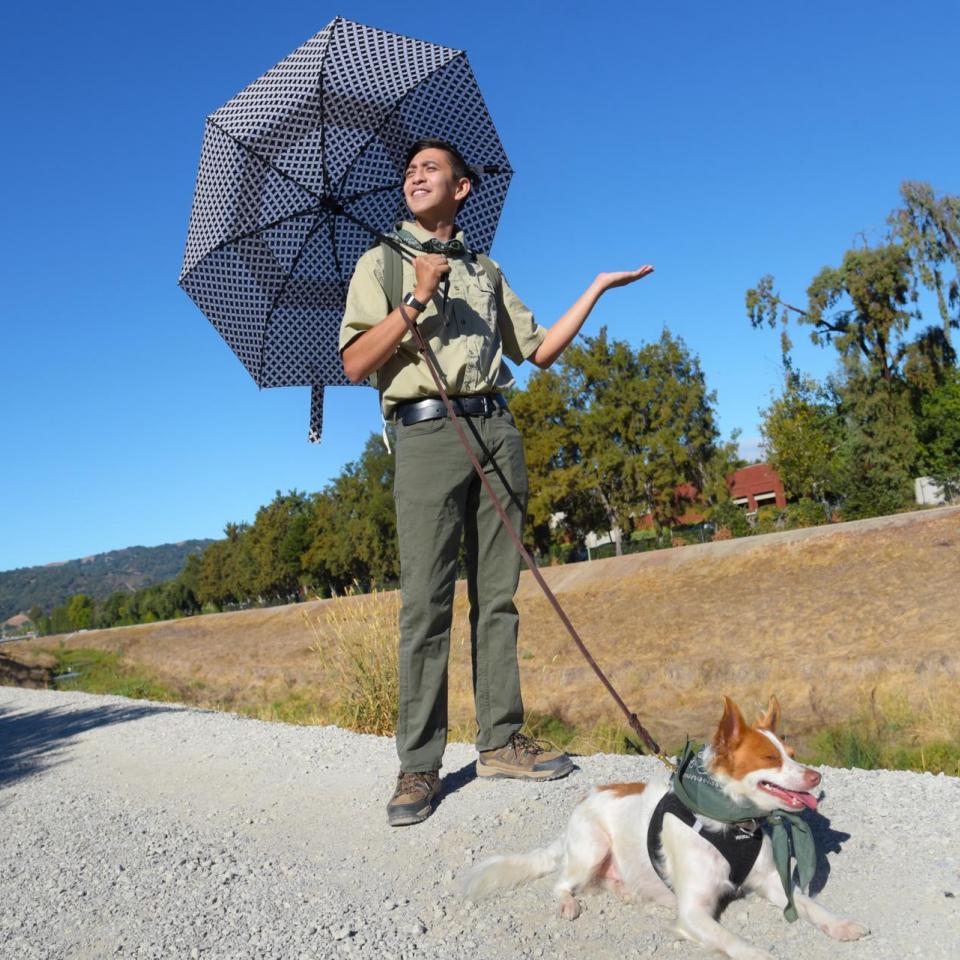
(481, 298)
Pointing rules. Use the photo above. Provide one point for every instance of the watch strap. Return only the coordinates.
(411, 301)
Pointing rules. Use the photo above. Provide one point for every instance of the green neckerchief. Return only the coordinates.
(699, 792)
(449, 248)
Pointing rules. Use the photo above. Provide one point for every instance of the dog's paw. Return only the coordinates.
(845, 929)
(569, 907)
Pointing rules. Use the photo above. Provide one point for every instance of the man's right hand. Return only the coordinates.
(430, 268)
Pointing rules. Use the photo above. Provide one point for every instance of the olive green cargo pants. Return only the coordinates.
(439, 497)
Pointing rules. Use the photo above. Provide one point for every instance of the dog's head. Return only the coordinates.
(753, 763)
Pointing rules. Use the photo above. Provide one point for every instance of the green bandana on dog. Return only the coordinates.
(790, 833)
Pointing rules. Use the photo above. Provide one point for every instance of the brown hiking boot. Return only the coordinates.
(524, 758)
(412, 800)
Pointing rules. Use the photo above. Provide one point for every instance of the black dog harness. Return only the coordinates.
(739, 846)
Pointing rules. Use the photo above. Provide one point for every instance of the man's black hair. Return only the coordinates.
(459, 166)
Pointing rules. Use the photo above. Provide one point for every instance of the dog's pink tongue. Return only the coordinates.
(797, 798)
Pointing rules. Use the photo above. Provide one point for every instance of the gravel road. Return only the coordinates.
(138, 829)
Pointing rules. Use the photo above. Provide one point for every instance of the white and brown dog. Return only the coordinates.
(607, 844)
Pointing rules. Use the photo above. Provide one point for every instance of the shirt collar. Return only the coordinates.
(411, 226)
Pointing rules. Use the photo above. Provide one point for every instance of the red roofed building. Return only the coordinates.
(756, 486)
(688, 507)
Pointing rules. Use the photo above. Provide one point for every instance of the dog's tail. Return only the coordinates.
(502, 873)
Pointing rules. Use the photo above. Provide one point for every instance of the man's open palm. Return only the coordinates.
(623, 277)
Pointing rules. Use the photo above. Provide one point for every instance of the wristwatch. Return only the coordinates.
(411, 301)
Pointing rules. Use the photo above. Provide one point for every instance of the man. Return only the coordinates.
(470, 320)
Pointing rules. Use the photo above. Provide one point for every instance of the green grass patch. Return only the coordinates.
(545, 726)
(856, 744)
(102, 671)
(890, 734)
(601, 737)
(296, 709)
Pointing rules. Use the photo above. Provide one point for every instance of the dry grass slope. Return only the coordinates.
(839, 622)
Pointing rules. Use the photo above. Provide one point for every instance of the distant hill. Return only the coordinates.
(97, 576)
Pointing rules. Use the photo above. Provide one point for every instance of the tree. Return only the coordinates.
(352, 532)
(615, 432)
(114, 611)
(559, 501)
(189, 576)
(929, 228)
(60, 621)
(863, 308)
(216, 583)
(882, 447)
(646, 425)
(80, 612)
(804, 437)
(277, 540)
(938, 429)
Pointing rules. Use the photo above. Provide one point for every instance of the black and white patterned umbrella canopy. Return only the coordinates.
(302, 169)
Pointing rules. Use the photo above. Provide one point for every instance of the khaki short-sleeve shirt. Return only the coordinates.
(469, 335)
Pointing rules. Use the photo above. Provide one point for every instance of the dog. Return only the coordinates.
(681, 866)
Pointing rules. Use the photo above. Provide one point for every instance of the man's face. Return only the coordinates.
(430, 188)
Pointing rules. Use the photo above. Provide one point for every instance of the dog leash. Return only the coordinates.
(632, 719)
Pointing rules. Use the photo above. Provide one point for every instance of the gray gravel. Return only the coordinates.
(137, 829)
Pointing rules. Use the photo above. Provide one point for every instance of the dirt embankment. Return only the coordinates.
(32, 672)
(821, 617)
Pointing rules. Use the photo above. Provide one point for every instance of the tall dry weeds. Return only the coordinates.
(358, 640)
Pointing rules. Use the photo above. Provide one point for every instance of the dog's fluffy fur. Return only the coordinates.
(606, 842)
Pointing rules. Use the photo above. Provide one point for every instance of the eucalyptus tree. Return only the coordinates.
(864, 308)
(928, 226)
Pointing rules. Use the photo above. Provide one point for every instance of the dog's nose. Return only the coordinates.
(812, 778)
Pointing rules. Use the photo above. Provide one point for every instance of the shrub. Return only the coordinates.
(805, 513)
(358, 640)
(769, 520)
(729, 515)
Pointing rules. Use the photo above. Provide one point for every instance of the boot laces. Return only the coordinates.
(522, 744)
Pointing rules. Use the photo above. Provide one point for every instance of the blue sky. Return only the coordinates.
(719, 142)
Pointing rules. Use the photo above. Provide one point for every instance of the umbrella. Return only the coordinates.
(302, 170)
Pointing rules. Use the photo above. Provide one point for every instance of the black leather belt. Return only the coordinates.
(482, 405)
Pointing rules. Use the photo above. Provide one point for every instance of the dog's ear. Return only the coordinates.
(732, 726)
(771, 719)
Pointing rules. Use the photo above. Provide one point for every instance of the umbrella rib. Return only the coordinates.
(377, 235)
(332, 221)
(296, 215)
(323, 125)
(311, 233)
(267, 163)
(396, 107)
(354, 197)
